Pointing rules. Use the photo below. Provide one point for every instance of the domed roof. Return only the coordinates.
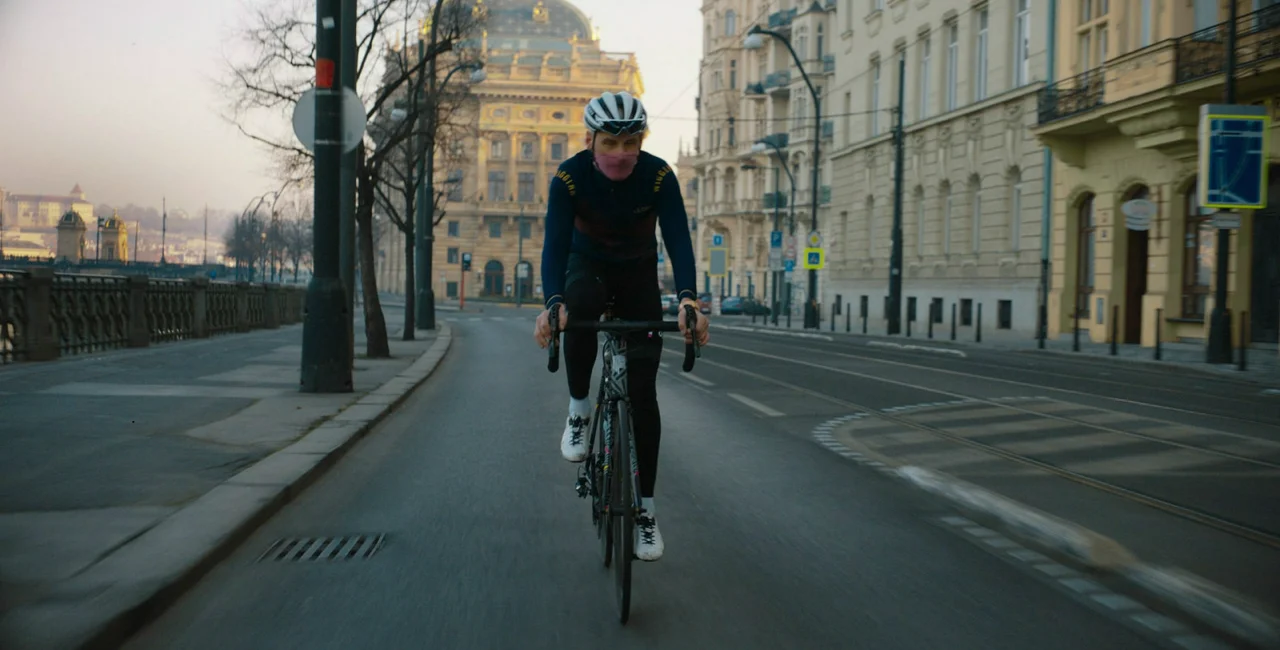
(71, 218)
(536, 19)
(113, 222)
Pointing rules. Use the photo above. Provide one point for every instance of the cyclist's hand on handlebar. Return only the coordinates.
(701, 326)
(542, 327)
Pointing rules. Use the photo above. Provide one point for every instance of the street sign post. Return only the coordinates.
(814, 259)
(815, 239)
(354, 120)
(1233, 159)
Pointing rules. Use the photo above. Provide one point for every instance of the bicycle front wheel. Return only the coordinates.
(624, 508)
(602, 479)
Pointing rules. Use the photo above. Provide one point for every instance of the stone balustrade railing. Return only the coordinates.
(45, 315)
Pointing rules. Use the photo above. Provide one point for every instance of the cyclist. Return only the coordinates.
(603, 208)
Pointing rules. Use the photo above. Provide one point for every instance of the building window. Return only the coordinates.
(451, 289)
(1085, 244)
(497, 149)
(844, 119)
(1092, 35)
(875, 98)
(453, 228)
(497, 186)
(733, 75)
(454, 182)
(526, 229)
(980, 57)
(1198, 257)
(1004, 315)
(926, 62)
(557, 151)
(821, 41)
(495, 229)
(920, 221)
(730, 23)
(1022, 44)
(877, 5)
(526, 186)
(1015, 211)
(526, 150)
(452, 256)
(976, 209)
(936, 308)
(871, 227)
(966, 312)
(947, 209)
(953, 64)
(733, 137)
(1145, 36)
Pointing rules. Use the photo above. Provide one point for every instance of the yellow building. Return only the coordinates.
(43, 211)
(1130, 242)
(543, 62)
(114, 237)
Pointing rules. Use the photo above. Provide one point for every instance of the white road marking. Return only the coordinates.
(695, 379)
(756, 405)
(923, 348)
(164, 390)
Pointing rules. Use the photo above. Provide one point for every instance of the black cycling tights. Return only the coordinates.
(634, 289)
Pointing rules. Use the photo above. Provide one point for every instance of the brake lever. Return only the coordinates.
(553, 350)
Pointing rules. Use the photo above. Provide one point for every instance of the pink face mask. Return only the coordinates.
(617, 166)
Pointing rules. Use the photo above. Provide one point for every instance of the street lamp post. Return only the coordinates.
(755, 41)
(424, 218)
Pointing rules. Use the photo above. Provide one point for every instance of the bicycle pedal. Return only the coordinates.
(580, 486)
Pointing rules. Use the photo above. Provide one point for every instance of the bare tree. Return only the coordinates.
(439, 120)
(245, 242)
(297, 235)
(281, 66)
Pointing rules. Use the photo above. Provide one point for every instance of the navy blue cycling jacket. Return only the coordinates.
(610, 221)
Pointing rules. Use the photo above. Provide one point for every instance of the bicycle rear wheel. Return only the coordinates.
(623, 506)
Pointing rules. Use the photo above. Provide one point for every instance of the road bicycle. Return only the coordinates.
(609, 474)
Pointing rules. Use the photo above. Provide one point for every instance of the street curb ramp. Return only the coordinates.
(114, 598)
(1206, 601)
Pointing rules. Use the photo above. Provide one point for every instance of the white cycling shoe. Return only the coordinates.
(573, 445)
(649, 545)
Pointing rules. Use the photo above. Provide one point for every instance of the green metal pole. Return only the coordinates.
(425, 305)
(1219, 350)
(325, 364)
(1046, 210)
(347, 187)
(895, 248)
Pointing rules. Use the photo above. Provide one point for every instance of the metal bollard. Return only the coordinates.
(978, 330)
(848, 321)
(864, 323)
(833, 318)
(1115, 329)
(933, 309)
(1159, 320)
(953, 321)
(908, 328)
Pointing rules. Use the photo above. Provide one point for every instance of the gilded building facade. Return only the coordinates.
(972, 168)
(543, 62)
(1122, 125)
(746, 96)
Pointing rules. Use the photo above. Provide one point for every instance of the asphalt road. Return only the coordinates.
(772, 540)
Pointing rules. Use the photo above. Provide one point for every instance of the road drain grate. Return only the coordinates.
(322, 549)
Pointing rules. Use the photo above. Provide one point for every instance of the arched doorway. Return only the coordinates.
(1139, 213)
(492, 278)
(524, 280)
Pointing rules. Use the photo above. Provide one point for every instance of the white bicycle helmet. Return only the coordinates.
(616, 114)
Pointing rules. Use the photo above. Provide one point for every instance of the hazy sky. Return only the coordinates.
(117, 96)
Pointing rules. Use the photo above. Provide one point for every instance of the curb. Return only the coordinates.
(1201, 599)
(103, 606)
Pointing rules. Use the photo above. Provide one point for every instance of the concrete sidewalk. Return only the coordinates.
(124, 476)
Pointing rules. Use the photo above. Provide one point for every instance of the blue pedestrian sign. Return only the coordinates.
(775, 239)
(1233, 158)
(789, 266)
(717, 240)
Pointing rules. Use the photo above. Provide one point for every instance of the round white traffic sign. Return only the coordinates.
(354, 120)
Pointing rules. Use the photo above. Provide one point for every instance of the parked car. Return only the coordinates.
(671, 303)
(704, 303)
(739, 306)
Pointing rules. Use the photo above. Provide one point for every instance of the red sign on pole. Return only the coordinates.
(324, 73)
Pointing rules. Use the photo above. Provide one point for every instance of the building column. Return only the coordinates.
(540, 190)
(512, 176)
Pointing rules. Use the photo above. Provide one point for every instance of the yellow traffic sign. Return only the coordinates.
(814, 258)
